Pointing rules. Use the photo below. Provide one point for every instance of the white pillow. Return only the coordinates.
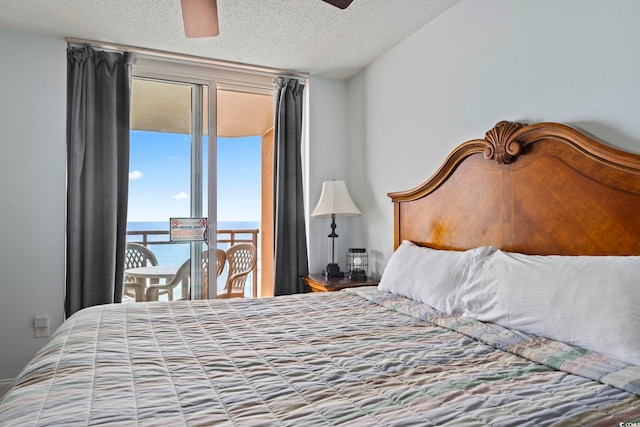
(591, 302)
(430, 276)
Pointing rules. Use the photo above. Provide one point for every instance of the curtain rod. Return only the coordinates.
(229, 65)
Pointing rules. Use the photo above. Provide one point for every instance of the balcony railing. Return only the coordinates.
(227, 237)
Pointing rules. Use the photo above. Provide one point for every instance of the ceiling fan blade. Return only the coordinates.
(200, 18)
(342, 4)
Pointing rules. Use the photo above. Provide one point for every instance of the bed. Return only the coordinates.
(461, 330)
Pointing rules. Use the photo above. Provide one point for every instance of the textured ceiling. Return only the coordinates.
(307, 36)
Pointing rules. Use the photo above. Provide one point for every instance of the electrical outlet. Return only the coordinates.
(41, 332)
(41, 326)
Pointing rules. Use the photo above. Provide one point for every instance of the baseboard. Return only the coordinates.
(4, 385)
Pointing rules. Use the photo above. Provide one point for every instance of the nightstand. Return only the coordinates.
(319, 283)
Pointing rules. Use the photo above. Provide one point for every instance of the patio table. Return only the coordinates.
(151, 274)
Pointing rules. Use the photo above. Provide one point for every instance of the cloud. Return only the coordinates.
(135, 175)
(181, 196)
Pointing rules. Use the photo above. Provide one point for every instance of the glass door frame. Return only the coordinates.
(197, 174)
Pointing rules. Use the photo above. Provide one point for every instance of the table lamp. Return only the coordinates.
(334, 201)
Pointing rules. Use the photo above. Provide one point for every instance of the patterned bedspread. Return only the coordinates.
(361, 357)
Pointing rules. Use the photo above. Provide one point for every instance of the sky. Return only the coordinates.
(159, 177)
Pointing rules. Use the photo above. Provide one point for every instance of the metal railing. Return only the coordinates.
(228, 236)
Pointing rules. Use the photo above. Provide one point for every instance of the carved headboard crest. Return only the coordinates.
(501, 145)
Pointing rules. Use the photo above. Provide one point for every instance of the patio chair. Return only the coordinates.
(181, 278)
(241, 259)
(221, 259)
(133, 292)
(136, 255)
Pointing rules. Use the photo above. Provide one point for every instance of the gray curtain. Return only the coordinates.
(98, 106)
(291, 259)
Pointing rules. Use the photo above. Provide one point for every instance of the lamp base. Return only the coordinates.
(333, 270)
(357, 275)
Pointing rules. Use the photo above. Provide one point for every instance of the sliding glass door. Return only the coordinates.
(202, 147)
(169, 178)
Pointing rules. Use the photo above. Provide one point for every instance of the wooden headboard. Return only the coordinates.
(541, 189)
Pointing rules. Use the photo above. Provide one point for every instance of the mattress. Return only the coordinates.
(358, 357)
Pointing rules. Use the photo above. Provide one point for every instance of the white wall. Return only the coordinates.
(570, 61)
(329, 157)
(32, 191)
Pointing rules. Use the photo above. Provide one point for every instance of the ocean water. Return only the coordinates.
(177, 253)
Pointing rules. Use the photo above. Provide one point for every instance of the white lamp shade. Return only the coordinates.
(335, 199)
